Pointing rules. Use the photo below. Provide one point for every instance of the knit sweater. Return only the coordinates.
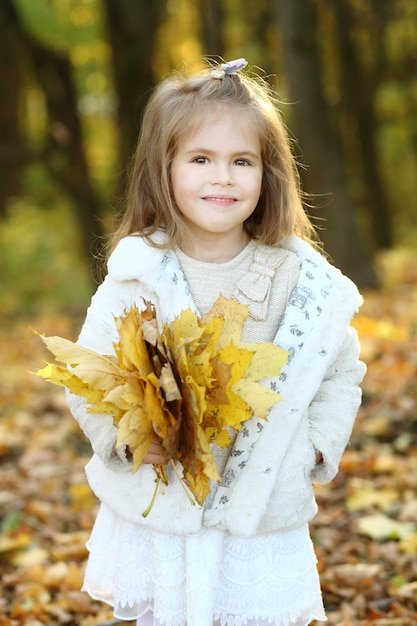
(267, 282)
(267, 483)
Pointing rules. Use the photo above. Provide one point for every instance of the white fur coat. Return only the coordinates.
(267, 483)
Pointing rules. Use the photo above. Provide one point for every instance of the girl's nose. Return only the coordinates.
(222, 175)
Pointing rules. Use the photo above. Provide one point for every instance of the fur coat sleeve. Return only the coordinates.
(339, 396)
(98, 333)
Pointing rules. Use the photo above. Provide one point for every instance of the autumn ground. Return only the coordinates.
(366, 530)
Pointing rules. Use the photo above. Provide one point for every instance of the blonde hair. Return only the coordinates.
(177, 106)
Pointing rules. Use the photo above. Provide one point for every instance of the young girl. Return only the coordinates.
(213, 207)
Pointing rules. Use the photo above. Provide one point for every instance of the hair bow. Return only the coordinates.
(230, 68)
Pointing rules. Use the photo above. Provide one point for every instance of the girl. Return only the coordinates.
(213, 207)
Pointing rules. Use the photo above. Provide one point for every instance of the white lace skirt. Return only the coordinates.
(205, 579)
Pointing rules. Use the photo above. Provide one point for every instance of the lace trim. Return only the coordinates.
(193, 580)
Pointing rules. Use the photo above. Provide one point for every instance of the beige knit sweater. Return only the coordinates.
(263, 281)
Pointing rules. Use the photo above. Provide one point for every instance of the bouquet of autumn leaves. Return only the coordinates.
(187, 382)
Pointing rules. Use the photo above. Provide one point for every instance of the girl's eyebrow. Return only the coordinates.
(209, 152)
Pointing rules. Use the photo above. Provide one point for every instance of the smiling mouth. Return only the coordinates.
(220, 199)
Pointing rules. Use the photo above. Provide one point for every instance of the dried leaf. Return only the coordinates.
(381, 527)
(228, 317)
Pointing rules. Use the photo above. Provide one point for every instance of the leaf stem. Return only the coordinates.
(187, 493)
(162, 479)
(147, 511)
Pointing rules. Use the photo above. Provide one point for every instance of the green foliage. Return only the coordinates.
(76, 27)
(62, 24)
(39, 265)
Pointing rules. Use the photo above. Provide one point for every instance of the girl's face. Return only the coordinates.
(216, 177)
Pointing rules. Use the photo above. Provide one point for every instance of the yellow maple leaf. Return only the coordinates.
(59, 375)
(231, 410)
(94, 369)
(232, 316)
(136, 432)
(130, 349)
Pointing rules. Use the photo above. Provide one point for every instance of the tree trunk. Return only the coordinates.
(63, 152)
(66, 159)
(358, 94)
(211, 21)
(131, 29)
(10, 140)
(324, 175)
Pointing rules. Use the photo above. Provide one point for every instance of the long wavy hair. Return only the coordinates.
(180, 103)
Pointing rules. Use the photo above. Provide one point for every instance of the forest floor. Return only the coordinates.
(365, 533)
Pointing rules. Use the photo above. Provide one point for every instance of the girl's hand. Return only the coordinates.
(155, 454)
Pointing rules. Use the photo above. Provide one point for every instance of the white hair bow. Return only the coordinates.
(230, 68)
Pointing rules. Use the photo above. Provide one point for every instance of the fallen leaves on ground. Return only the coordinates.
(365, 533)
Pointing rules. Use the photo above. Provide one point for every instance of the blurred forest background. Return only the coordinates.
(74, 78)
(75, 75)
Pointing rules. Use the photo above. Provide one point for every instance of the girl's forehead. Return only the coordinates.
(236, 117)
(225, 133)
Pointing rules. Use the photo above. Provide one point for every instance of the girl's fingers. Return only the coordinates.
(155, 454)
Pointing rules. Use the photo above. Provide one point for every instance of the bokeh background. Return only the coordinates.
(75, 75)
(74, 78)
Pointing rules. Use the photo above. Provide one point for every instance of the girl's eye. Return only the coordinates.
(242, 162)
(200, 159)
